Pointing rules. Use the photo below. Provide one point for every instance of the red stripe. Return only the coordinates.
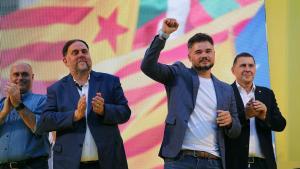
(245, 2)
(144, 141)
(197, 16)
(177, 53)
(161, 166)
(42, 16)
(136, 95)
(144, 34)
(221, 36)
(40, 87)
(161, 102)
(240, 26)
(41, 51)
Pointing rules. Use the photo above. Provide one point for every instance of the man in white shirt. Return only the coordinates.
(259, 116)
(85, 108)
(201, 108)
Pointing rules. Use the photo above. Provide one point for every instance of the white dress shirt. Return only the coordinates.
(89, 148)
(254, 146)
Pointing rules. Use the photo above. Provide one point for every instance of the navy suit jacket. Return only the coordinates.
(62, 99)
(238, 148)
(182, 85)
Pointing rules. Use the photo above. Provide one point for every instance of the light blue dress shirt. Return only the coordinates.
(17, 141)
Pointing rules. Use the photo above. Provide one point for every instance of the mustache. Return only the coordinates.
(204, 59)
(81, 59)
(23, 81)
(247, 73)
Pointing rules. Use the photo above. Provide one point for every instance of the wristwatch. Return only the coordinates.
(20, 106)
(163, 35)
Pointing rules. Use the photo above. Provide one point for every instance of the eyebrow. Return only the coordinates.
(20, 73)
(208, 49)
(247, 64)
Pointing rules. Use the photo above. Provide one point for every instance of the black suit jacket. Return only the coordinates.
(237, 149)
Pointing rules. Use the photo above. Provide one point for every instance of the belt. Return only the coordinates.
(200, 154)
(20, 164)
(89, 162)
(252, 160)
(13, 165)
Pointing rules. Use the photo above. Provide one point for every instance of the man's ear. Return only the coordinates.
(232, 69)
(189, 56)
(65, 60)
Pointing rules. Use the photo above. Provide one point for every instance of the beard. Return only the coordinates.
(80, 69)
(203, 68)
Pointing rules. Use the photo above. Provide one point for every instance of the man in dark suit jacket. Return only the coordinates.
(201, 109)
(85, 108)
(259, 116)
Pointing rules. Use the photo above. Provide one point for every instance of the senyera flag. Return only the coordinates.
(118, 33)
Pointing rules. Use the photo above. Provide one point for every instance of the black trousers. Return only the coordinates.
(90, 165)
(35, 163)
(256, 163)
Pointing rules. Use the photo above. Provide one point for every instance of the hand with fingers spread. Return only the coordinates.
(170, 25)
(81, 107)
(98, 104)
(224, 118)
(249, 110)
(260, 109)
(13, 93)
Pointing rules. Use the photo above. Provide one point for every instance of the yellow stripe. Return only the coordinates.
(143, 118)
(47, 71)
(147, 160)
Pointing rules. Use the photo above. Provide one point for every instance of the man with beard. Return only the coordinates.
(85, 108)
(201, 109)
(259, 116)
(20, 146)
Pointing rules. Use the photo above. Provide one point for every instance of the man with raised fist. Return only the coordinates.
(201, 108)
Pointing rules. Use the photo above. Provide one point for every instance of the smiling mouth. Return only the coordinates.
(82, 62)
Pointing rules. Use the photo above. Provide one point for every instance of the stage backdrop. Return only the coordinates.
(283, 27)
(118, 33)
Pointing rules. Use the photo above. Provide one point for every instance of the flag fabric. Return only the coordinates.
(118, 33)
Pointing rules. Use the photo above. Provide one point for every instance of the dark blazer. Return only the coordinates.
(62, 99)
(238, 148)
(181, 84)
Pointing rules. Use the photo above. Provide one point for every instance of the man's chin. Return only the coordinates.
(23, 90)
(82, 69)
(203, 68)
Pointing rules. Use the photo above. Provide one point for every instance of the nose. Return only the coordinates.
(19, 77)
(247, 68)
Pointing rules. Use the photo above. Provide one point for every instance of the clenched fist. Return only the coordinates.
(170, 25)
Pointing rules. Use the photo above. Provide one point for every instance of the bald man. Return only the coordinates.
(20, 147)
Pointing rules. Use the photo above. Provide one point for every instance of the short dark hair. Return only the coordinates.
(200, 37)
(243, 54)
(69, 43)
